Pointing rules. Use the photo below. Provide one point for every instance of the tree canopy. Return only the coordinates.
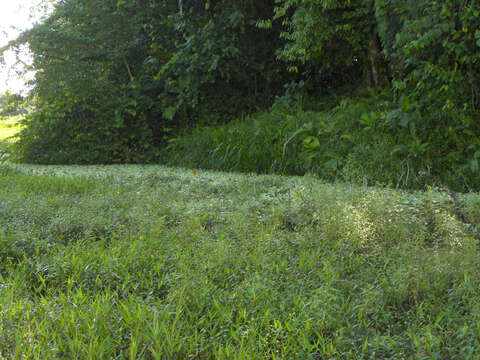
(114, 78)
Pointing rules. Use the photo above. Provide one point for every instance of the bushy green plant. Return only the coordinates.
(368, 139)
(427, 50)
(12, 105)
(114, 79)
(438, 44)
(75, 132)
(331, 42)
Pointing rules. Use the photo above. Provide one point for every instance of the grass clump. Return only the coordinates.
(149, 262)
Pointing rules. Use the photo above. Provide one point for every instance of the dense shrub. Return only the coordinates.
(114, 79)
(428, 50)
(66, 133)
(354, 141)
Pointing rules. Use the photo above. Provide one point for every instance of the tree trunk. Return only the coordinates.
(378, 71)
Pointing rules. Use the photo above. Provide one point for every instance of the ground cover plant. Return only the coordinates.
(150, 262)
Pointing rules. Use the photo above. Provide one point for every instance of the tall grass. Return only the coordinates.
(253, 144)
(329, 143)
(354, 141)
(136, 262)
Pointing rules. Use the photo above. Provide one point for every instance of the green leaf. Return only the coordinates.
(474, 165)
(405, 104)
(333, 164)
(347, 137)
(169, 113)
(397, 149)
(311, 142)
(365, 119)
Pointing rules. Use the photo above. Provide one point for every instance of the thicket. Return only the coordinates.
(116, 81)
(115, 78)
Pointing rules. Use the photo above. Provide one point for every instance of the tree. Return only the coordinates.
(336, 40)
(113, 77)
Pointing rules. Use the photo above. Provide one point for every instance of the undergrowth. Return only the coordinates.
(151, 262)
(366, 139)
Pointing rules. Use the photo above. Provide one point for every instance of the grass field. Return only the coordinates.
(137, 262)
(9, 127)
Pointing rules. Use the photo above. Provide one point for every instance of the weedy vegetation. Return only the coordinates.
(150, 262)
(157, 262)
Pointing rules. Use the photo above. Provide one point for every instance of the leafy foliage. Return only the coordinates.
(440, 70)
(428, 50)
(87, 108)
(332, 41)
(120, 82)
(11, 105)
(223, 64)
(355, 140)
(113, 79)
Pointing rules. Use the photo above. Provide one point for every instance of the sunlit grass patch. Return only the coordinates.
(9, 127)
